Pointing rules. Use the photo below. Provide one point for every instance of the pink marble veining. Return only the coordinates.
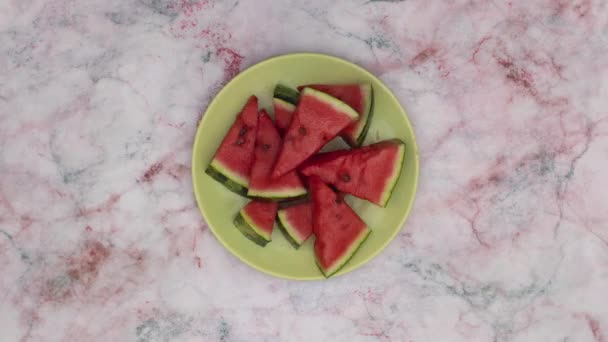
(101, 239)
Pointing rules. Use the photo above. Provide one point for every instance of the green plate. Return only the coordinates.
(219, 205)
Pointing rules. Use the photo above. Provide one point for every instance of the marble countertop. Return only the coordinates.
(101, 238)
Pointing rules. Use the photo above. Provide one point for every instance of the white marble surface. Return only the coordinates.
(101, 239)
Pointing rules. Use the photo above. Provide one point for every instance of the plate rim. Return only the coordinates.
(233, 251)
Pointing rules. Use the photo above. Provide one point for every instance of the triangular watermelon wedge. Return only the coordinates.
(338, 229)
(296, 223)
(256, 220)
(283, 112)
(268, 145)
(284, 101)
(232, 162)
(361, 98)
(369, 172)
(318, 119)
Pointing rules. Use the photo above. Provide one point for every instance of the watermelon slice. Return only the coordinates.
(268, 144)
(361, 98)
(369, 172)
(339, 230)
(296, 223)
(256, 221)
(318, 119)
(232, 162)
(283, 111)
(284, 101)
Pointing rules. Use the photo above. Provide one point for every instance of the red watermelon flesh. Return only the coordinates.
(234, 158)
(283, 111)
(268, 145)
(369, 172)
(318, 119)
(338, 229)
(258, 218)
(360, 98)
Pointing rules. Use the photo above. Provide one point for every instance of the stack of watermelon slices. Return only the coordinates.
(277, 163)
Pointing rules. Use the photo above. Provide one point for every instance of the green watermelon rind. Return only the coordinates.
(335, 103)
(293, 201)
(221, 176)
(279, 102)
(288, 237)
(286, 94)
(363, 129)
(278, 196)
(288, 230)
(398, 166)
(352, 250)
(244, 224)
